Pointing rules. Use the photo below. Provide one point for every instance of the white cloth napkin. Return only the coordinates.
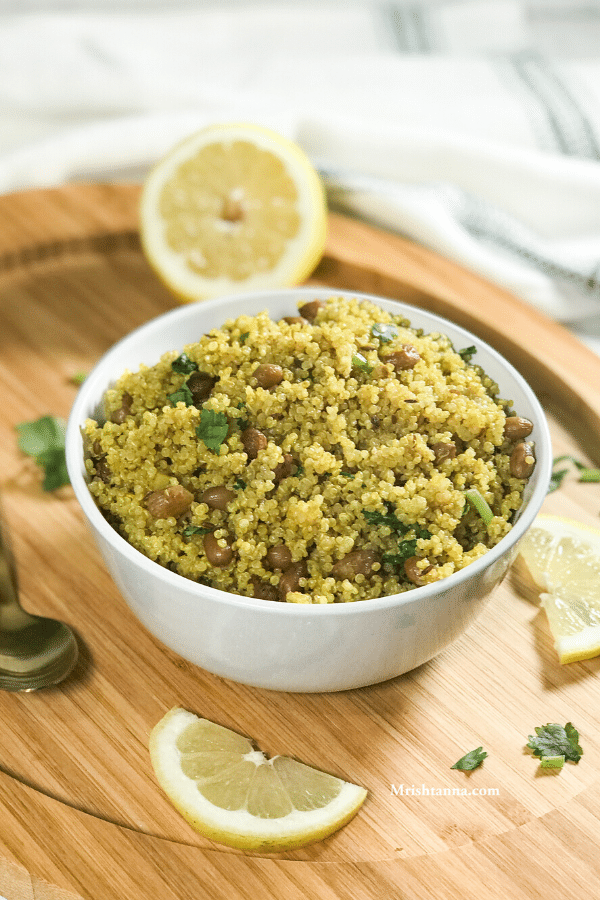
(472, 126)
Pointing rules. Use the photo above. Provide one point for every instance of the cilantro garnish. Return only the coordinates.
(556, 479)
(44, 440)
(244, 337)
(78, 377)
(239, 484)
(589, 475)
(470, 760)
(552, 762)
(360, 362)
(182, 395)
(479, 504)
(243, 423)
(384, 333)
(410, 534)
(183, 365)
(554, 740)
(406, 548)
(376, 517)
(592, 476)
(191, 530)
(212, 428)
(467, 353)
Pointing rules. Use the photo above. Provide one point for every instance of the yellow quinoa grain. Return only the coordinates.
(345, 461)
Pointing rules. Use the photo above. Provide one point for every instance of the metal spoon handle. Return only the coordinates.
(12, 615)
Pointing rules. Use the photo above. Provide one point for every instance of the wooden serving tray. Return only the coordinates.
(81, 815)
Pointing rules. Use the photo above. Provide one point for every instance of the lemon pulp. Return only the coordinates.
(563, 558)
(234, 794)
(231, 208)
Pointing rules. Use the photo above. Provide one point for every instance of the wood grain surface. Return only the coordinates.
(81, 815)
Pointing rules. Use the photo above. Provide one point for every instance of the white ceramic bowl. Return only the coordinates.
(292, 647)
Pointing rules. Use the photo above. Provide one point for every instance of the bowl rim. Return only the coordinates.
(88, 398)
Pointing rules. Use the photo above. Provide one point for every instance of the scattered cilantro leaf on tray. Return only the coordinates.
(591, 476)
(78, 377)
(212, 428)
(552, 762)
(586, 474)
(553, 740)
(556, 479)
(470, 760)
(44, 440)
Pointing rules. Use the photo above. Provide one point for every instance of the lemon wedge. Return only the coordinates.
(234, 207)
(230, 792)
(563, 559)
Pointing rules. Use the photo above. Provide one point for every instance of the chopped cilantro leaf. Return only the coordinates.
(409, 534)
(384, 333)
(389, 518)
(244, 337)
(182, 395)
(240, 484)
(360, 362)
(44, 440)
(54, 464)
(184, 365)
(191, 530)
(243, 423)
(78, 377)
(556, 479)
(554, 740)
(212, 428)
(587, 475)
(566, 458)
(376, 517)
(406, 549)
(470, 760)
(467, 353)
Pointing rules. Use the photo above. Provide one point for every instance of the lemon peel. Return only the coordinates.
(563, 559)
(232, 793)
(234, 207)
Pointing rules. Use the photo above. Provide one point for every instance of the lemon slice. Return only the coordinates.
(233, 208)
(230, 792)
(563, 558)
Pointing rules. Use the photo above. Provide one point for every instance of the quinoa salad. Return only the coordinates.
(335, 455)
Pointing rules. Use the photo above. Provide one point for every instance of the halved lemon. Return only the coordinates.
(234, 207)
(563, 559)
(230, 792)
